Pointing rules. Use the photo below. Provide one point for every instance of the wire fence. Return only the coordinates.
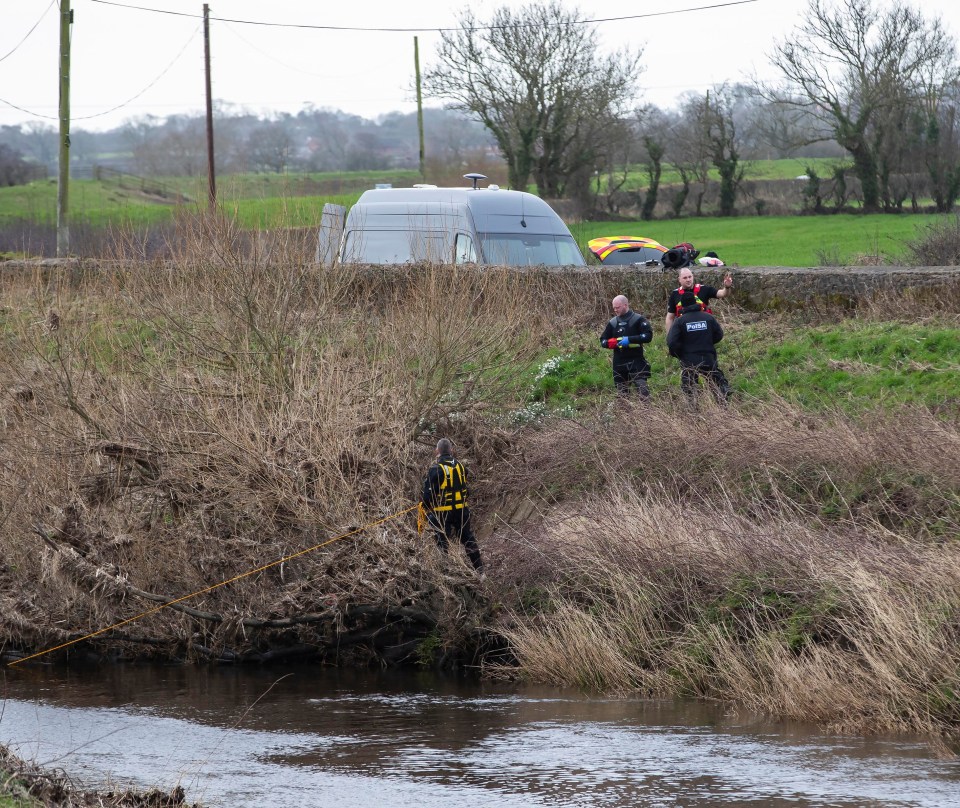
(145, 185)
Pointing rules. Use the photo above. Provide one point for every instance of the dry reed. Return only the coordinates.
(167, 426)
(700, 558)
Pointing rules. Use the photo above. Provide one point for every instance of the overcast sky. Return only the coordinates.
(133, 58)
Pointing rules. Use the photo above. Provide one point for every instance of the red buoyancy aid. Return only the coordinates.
(696, 293)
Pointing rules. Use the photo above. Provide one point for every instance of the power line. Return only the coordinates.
(27, 35)
(318, 27)
(135, 97)
(266, 54)
(424, 30)
(118, 106)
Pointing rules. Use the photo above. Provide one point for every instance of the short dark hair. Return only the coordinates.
(445, 446)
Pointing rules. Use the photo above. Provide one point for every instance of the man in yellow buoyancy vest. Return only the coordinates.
(445, 500)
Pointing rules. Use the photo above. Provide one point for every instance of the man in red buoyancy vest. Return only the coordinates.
(702, 293)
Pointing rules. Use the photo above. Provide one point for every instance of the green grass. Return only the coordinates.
(236, 186)
(298, 211)
(565, 380)
(786, 169)
(858, 365)
(271, 200)
(855, 366)
(293, 200)
(789, 241)
(90, 202)
(12, 791)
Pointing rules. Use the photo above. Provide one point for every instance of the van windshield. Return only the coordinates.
(397, 247)
(523, 250)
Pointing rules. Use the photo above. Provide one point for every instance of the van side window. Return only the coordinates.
(465, 253)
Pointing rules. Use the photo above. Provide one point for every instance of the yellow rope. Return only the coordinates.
(215, 586)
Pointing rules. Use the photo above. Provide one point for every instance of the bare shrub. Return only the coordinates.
(912, 303)
(938, 247)
(804, 566)
(228, 409)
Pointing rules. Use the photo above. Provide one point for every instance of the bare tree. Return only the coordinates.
(941, 151)
(177, 146)
(536, 79)
(14, 170)
(723, 145)
(690, 153)
(41, 142)
(655, 135)
(270, 146)
(850, 64)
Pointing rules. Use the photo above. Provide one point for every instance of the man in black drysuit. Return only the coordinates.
(444, 498)
(692, 339)
(626, 334)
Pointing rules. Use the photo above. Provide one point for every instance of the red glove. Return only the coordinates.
(612, 342)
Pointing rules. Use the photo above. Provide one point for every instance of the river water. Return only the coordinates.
(308, 736)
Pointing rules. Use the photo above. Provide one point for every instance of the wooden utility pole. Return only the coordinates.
(211, 171)
(63, 158)
(416, 67)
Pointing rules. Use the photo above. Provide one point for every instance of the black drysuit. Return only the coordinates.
(445, 499)
(630, 366)
(692, 339)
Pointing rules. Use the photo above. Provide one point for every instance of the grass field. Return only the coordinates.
(264, 201)
(790, 241)
(786, 169)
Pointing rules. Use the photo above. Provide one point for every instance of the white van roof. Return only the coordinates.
(492, 209)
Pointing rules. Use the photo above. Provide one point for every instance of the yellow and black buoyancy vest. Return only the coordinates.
(453, 486)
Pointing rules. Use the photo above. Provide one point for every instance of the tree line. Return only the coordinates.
(879, 82)
(876, 87)
(310, 140)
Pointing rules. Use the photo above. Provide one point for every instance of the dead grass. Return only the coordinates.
(181, 424)
(797, 566)
(838, 625)
(166, 427)
(26, 785)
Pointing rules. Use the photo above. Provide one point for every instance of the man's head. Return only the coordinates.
(688, 298)
(444, 447)
(620, 305)
(686, 278)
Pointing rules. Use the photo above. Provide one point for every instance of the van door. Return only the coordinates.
(332, 220)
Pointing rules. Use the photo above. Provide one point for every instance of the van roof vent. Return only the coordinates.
(423, 185)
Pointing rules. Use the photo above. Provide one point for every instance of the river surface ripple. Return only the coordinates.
(307, 736)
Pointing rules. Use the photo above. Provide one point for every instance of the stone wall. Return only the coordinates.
(755, 288)
(758, 288)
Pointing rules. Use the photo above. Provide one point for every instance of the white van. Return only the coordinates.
(447, 225)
